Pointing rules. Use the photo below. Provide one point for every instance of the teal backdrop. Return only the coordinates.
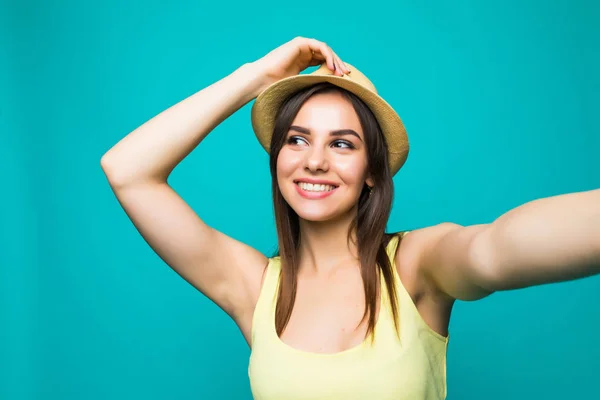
(501, 103)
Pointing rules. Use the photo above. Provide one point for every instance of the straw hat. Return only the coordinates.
(268, 102)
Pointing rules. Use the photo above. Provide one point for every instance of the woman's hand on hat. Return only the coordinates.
(295, 56)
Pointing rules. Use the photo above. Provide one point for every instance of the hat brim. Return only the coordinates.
(267, 104)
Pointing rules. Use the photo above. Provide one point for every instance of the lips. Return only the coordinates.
(315, 188)
(314, 195)
(316, 181)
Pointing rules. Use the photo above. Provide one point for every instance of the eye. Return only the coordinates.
(295, 139)
(345, 144)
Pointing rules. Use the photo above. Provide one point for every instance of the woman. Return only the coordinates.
(345, 311)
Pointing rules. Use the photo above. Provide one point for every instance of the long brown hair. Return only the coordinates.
(370, 221)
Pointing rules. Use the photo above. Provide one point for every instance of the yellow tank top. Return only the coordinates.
(412, 366)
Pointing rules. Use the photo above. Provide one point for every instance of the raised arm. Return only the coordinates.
(547, 240)
(227, 271)
(137, 168)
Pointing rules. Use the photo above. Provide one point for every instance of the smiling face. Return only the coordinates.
(322, 166)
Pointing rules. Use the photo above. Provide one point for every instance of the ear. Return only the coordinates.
(369, 182)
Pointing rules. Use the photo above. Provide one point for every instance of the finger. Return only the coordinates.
(342, 64)
(336, 62)
(322, 48)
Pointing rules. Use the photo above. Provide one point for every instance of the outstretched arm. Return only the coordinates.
(547, 240)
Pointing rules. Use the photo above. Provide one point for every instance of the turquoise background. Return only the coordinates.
(500, 100)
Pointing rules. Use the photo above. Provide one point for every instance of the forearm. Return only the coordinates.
(547, 240)
(154, 149)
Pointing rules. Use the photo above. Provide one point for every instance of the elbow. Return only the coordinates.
(121, 175)
(115, 174)
(105, 164)
(110, 170)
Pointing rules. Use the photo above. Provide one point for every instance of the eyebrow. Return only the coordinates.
(337, 132)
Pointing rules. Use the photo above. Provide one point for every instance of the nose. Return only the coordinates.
(316, 159)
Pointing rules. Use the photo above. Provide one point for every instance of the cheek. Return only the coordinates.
(287, 163)
(351, 171)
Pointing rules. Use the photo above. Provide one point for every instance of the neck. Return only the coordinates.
(324, 246)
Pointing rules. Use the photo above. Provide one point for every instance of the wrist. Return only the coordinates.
(255, 81)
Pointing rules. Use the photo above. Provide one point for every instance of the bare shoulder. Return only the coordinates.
(254, 280)
(415, 242)
(410, 253)
(433, 307)
(252, 272)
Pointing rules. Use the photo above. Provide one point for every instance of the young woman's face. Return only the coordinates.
(322, 167)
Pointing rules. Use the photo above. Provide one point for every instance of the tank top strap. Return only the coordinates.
(404, 300)
(391, 249)
(393, 244)
(401, 292)
(264, 311)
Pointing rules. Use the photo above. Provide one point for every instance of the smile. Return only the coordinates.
(314, 191)
(309, 187)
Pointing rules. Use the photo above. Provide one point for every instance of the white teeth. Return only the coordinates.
(309, 187)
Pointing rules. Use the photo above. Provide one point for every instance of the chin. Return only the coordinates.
(318, 211)
(316, 215)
